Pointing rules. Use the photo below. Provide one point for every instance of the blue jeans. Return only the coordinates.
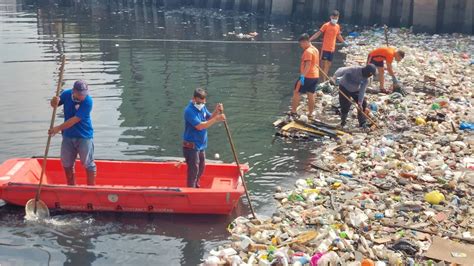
(196, 161)
(71, 147)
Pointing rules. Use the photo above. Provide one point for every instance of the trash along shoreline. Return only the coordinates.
(398, 195)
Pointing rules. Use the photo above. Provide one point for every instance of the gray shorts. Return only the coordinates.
(71, 147)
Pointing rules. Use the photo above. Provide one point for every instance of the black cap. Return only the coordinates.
(369, 70)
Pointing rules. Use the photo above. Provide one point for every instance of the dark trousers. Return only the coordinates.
(346, 105)
(196, 161)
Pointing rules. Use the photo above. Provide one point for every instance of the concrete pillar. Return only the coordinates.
(455, 16)
(209, 3)
(331, 6)
(254, 5)
(406, 12)
(316, 9)
(468, 17)
(348, 10)
(145, 13)
(154, 13)
(282, 7)
(224, 4)
(366, 11)
(268, 7)
(236, 5)
(449, 15)
(426, 14)
(386, 10)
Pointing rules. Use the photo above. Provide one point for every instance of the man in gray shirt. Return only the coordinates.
(353, 82)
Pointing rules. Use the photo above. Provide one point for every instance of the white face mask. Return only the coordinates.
(74, 99)
(334, 21)
(199, 106)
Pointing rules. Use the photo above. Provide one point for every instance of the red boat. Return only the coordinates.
(124, 186)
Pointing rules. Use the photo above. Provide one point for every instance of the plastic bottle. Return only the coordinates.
(420, 121)
(311, 190)
(314, 260)
(378, 216)
(373, 107)
(346, 174)
(443, 102)
(435, 106)
(466, 126)
(295, 197)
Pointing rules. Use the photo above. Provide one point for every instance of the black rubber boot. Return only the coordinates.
(70, 178)
(91, 177)
(343, 120)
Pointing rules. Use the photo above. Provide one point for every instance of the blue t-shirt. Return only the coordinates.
(82, 129)
(192, 118)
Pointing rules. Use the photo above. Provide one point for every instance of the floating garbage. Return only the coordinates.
(398, 195)
(466, 126)
(434, 197)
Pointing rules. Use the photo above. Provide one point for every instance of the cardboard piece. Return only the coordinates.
(450, 251)
(383, 240)
(338, 159)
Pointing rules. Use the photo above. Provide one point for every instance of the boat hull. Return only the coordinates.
(219, 195)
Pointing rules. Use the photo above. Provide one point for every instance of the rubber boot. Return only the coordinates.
(343, 120)
(91, 177)
(70, 178)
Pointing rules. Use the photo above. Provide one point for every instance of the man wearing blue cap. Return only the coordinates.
(77, 131)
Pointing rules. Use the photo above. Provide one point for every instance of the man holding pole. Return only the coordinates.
(353, 83)
(77, 131)
(197, 120)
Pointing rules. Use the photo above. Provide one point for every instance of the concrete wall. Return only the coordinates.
(425, 18)
(423, 15)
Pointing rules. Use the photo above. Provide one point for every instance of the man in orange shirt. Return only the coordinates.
(331, 31)
(378, 56)
(309, 74)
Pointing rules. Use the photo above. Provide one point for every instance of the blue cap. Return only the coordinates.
(81, 87)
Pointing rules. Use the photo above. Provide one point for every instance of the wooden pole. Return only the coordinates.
(229, 136)
(51, 125)
(350, 100)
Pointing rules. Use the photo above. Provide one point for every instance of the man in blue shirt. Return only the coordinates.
(77, 131)
(197, 119)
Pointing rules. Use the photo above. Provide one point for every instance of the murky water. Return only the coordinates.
(141, 80)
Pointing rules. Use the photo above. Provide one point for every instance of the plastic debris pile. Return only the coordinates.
(401, 195)
(436, 74)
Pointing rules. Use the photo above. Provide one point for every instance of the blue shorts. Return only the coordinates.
(71, 147)
(328, 56)
(376, 63)
(309, 86)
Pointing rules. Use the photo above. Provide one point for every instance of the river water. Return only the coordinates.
(141, 78)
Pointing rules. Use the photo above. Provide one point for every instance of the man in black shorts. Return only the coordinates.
(309, 74)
